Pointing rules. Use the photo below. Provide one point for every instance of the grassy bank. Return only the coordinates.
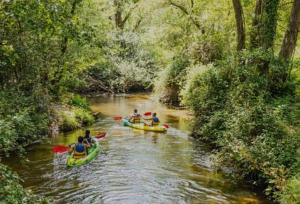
(72, 114)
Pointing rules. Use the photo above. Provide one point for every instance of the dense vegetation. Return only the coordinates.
(239, 75)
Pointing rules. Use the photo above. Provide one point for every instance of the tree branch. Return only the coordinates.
(138, 23)
(182, 8)
(128, 15)
(192, 4)
(185, 11)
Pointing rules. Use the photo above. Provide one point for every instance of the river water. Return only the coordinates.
(133, 166)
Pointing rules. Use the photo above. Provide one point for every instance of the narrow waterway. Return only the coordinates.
(133, 166)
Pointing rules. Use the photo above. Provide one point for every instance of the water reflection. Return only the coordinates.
(134, 166)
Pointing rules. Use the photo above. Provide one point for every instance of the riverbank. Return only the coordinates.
(252, 123)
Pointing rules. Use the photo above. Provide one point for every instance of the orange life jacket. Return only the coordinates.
(135, 119)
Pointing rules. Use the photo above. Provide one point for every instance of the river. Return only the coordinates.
(133, 166)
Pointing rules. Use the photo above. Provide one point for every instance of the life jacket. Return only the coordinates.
(135, 118)
(155, 121)
(79, 151)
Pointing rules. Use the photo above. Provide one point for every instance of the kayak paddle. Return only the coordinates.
(60, 149)
(100, 135)
(117, 118)
(147, 114)
(166, 125)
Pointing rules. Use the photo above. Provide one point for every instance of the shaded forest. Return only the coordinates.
(234, 64)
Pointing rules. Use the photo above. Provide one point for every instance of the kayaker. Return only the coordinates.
(155, 120)
(135, 117)
(79, 149)
(87, 138)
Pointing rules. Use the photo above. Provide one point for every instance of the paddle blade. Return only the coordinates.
(100, 135)
(148, 114)
(117, 117)
(60, 149)
(166, 125)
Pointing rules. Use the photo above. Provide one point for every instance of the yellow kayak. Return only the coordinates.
(141, 126)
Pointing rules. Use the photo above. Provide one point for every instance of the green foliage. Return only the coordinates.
(71, 118)
(244, 105)
(238, 111)
(171, 79)
(125, 66)
(208, 48)
(291, 193)
(80, 102)
(11, 192)
(22, 120)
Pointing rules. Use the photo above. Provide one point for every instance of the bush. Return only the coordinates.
(207, 48)
(80, 102)
(72, 118)
(85, 117)
(22, 121)
(291, 193)
(170, 81)
(252, 126)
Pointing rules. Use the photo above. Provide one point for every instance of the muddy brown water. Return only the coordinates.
(133, 166)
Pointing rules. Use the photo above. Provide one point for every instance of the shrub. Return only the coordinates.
(83, 116)
(207, 48)
(69, 121)
(22, 121)
(72, 118)
(252, 126)
(170, 81)
(291, 193)
(80, 102)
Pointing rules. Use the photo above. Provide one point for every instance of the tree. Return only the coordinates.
(188, 12)
(290, 39)
(120, 21)
(264, 24)
(240, 24)
(74, 5)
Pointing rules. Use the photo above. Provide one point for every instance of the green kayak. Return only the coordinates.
(92, 153)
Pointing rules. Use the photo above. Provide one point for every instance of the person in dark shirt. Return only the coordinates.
(87, 138)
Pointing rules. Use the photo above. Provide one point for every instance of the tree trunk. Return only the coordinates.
(120, 21)
(269, 23)
(264, 24)
(240, 25)
(65, 40)
(290, 39)
(118, 14)
(264, 29)
(255, 25)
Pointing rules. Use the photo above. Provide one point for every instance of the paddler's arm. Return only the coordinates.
(71, 148)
